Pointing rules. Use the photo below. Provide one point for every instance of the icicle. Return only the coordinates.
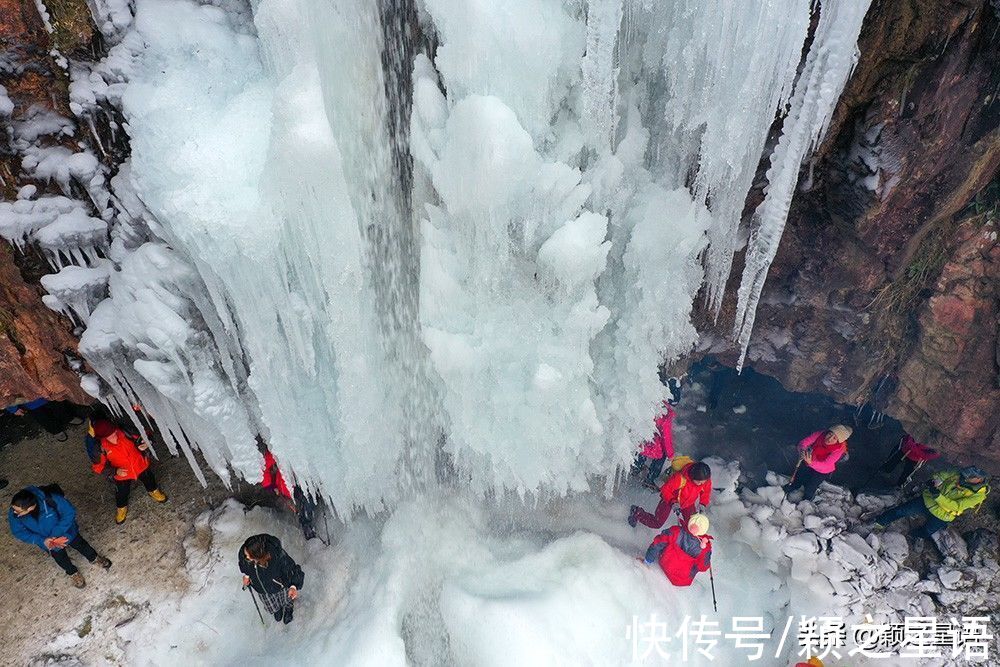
(600, 76)
(829, 64)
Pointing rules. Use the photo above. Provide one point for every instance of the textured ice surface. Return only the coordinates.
(393, 268)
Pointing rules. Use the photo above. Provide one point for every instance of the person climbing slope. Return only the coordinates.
(912, 455)
(270, 571)
(948, 494)
(687, 488)
(44, 517)
(683, 551)
(128, 461)
(298, 502)
(656, 451)
(820, 452)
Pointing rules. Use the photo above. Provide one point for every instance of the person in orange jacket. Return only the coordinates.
(689, 487)
(129, 462)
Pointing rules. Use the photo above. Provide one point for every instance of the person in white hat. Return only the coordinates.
(683, 552)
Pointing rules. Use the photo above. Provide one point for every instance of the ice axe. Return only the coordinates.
(795, 472)
(256, 606)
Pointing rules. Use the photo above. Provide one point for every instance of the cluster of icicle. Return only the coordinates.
(463, 247)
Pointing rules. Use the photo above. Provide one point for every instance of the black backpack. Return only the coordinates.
(50, 490)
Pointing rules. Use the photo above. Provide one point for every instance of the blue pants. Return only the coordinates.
(915, 507)
(655, 467)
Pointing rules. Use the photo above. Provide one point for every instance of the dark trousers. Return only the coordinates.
(661, 514)
(915, 507)
(896, 458)
(808, 479)
(124, 487)
(655, 467)
(61, 556)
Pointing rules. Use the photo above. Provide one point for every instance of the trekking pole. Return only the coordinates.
(796, 471)
(711, 578)
(254, 598)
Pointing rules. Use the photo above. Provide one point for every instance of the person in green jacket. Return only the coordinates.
(948, 494)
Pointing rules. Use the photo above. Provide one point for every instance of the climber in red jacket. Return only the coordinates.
(690, 486)
(683, 552)
(912, 454)
(129, 462)
(659, 449)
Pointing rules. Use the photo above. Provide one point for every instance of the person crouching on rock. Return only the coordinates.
(683, 552)
(47, 519)
(948, 495)
(820, 452)
(270, 571)
(128, 459)
(688, 487)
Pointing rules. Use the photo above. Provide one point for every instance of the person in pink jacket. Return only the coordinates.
(820, 452)
(656, 451)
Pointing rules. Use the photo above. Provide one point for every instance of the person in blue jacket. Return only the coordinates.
(46, 519)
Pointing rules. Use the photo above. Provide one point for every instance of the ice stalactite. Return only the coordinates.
(829, 63)
(727, 68)
(600, 74)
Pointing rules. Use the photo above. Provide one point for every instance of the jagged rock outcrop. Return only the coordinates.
(34, 341)
(884, 289)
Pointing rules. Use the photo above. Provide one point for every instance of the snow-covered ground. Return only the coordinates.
(449, 579)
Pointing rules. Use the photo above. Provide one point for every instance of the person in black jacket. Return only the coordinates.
(269, 570)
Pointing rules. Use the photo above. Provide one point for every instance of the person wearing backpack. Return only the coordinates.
(682, 551)
(688, 488)
(44, 517)
(128, 460)
(948, 494)
(820, 452)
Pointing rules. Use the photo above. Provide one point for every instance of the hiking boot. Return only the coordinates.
(77, 580)
(158, 496)
(650, 485)
(288, 616)
(103, 561)
(120, 515)
(632, 519)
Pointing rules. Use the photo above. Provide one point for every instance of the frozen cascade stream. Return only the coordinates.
(403, 239)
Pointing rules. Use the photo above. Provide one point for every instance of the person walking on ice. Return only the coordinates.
(948, 494)
(689, 487)
(270, 571)
(45, 518)
(683, 551)
(820, 452)
(129, 462)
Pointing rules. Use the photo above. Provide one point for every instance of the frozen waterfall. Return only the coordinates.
(426, 239)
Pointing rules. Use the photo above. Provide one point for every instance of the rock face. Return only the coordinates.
(33, 339)
(885, 287)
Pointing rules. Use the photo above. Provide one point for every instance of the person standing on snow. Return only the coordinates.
(688, 487)
(268, 569)
(47, 519)
(947, 496)
(820, 452)
(683, 552)
(912, 454)
(128, 459)
(659, 449)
